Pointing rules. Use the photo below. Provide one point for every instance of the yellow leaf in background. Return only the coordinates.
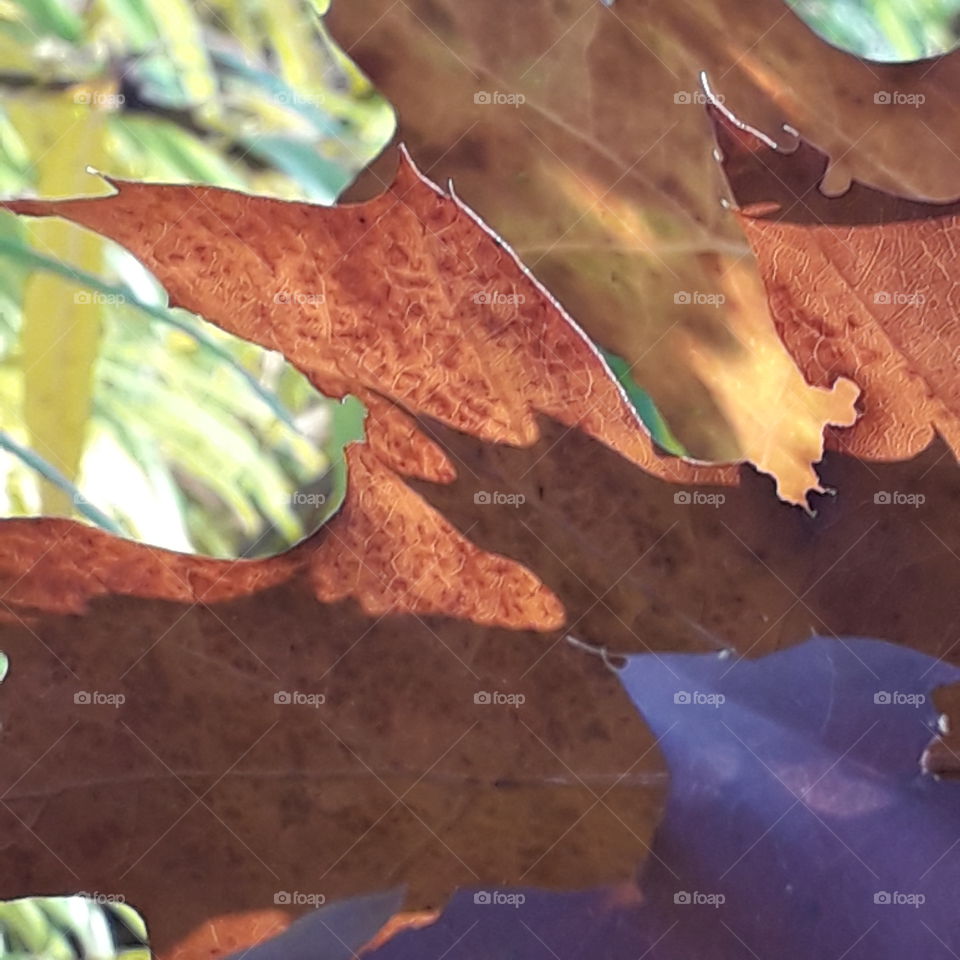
(181, 31)
(292, 30)
(236, 16)
(61, 322)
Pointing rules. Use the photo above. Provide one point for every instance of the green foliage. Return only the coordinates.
(192, 440)
(886, 30)
(644, 405)
(71, 928)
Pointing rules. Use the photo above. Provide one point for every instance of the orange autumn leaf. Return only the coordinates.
(409, 302)
(212, 783)
(220, 936)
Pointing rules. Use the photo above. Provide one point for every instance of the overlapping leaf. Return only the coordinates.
(308, 744)
(798, 824)
(861, 285)
(203, 735)
(199, 757)
(410, 303)
(200, 795)
(576, 129)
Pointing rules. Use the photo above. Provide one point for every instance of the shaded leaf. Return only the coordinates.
(798, 823)
(189, 764)
(308, 799)
(811, 790)
(576, 130)
(860, 285)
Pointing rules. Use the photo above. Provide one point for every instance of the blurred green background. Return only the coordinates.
(146, 420)
(68, 928)
(113, 407)
(885, 30)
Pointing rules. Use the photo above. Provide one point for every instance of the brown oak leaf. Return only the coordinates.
(198, 734)
(409, 302)
(200, 794)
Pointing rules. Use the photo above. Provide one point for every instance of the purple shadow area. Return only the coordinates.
(798, 824)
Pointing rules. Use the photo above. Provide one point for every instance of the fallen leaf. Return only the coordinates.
(860, 285)
(409, 302)
(197, 756)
